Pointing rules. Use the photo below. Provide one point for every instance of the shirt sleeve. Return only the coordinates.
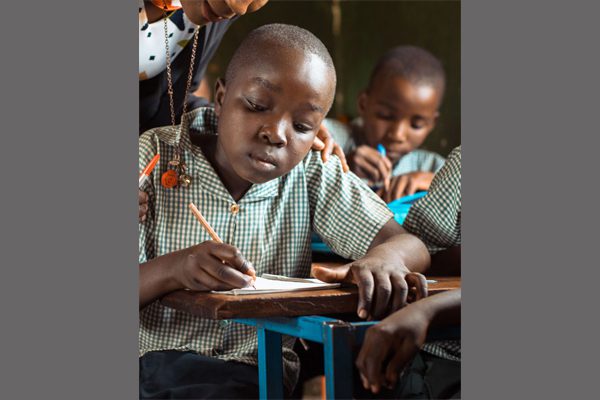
(345, 212)
(435, 218)
(147, 149)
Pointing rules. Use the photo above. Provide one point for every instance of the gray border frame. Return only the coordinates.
(530, 87)
(68, 207)
(69, 203)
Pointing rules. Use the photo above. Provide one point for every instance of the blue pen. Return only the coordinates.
(380, 150)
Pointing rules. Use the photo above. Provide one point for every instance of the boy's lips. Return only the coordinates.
(263, 161)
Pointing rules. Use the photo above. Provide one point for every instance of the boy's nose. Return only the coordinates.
(274, 134)
(400, 131)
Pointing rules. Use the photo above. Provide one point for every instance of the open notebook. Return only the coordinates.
(268, 283)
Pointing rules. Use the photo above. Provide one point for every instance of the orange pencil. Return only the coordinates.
(205, 223)
(210, 230)
(148, 170)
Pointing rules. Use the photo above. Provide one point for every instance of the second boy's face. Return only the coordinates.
(270, 113)
(398, 114)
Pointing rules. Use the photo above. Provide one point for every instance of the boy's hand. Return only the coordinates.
(213, 266)
(405, 185)
(382, 288)
(368, 163)
(390, 345)
(142, 205)
(324, 142)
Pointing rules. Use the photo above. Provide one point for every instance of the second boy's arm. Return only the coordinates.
(391, 344)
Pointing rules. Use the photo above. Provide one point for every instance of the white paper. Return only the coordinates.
(279, 284)
(268, 283)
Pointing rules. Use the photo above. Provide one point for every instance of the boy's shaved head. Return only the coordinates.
(416, 65)
(267, 38)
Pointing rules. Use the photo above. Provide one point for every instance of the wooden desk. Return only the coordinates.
(298, 314)
(291, 304)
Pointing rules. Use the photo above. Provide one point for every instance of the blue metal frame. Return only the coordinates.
(338, 339)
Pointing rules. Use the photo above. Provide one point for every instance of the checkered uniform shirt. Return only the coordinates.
(271, 225)
(435, 219)
(350, 137)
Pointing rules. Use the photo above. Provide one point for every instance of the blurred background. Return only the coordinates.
(357, 33)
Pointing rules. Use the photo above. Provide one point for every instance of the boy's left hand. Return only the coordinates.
(405, 185)
(327, 146)
(382, 287)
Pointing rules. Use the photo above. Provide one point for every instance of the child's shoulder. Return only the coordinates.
(166, 134)
(419, 160)
(313, 165)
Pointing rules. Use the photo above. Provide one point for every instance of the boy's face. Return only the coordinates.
(270, 113)
(398, 114)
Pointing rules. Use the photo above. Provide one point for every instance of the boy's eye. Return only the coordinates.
(302, 128)
(418, 124)
(386, 117)
(254, 106)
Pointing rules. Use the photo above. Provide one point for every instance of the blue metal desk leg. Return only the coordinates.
(270, 366)
(337, 348)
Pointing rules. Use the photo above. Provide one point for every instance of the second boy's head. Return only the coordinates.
(277, 89)
(400, 106)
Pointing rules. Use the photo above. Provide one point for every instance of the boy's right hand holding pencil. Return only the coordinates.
(212, 266)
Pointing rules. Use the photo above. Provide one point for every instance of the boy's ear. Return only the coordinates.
(361, 102)
(220, 90)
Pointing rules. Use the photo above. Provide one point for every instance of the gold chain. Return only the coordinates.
(170, 85)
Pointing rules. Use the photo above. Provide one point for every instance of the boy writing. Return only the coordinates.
(262, 192)
(398, 110)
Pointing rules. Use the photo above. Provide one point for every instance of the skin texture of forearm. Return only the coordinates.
(394, 241)
(156, 280)
(441, 309)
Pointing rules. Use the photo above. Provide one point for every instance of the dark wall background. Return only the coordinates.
(357, 33)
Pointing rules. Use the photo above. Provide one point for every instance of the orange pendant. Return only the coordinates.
(169, 179)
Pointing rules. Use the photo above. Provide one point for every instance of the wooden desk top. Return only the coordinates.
(314, 302)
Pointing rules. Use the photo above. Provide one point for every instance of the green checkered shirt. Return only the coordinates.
(272, 229)
(352, 136)
(435, 219)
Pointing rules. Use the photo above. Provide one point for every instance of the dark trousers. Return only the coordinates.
(187, 375)
(427, 377)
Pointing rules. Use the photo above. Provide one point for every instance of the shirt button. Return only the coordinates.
(234, 209)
